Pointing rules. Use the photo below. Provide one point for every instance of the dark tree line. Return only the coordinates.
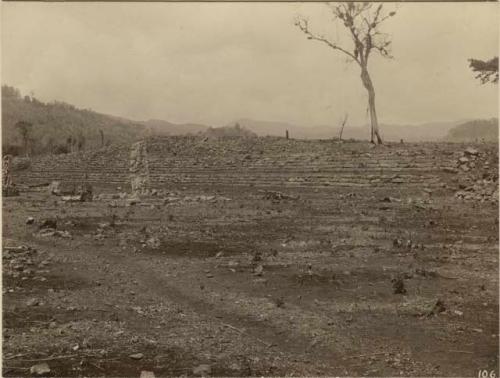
(486, 70)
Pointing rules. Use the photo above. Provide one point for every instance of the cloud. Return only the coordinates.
(215, 62)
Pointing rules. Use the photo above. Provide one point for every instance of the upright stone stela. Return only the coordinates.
(139, 170)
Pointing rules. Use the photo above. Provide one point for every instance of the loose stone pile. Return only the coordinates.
(478, 175)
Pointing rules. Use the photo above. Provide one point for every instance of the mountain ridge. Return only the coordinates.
(428, 131)
(62, 127)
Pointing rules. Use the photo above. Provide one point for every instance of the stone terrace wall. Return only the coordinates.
(279, 162)
(270, 161)
(108, 166)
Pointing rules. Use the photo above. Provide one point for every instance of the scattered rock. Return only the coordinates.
(280, 302)
(30, 220)
(260, 281)
(85, 191)
(153, 242)
(236, 367)
(75, 198)
(259, 270)
(257, 256)
(202, 370)
(136, 356)
(278, 196)
(471, 151)
(55, 188)
(33, 302)
(398, 285)
(48, 223)
(397, 243)
(51, 232)
(40, 369)
(132, 201)
(437, 308)
(425, 273)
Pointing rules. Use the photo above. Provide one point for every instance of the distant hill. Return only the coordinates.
(229, 131)
(158, 126)
(425, 132)
(432, 131)
(56, 122)
(263, 128)
(482, 129)
(58, 127)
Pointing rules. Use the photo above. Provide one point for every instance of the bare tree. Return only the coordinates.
(25, 128)
(343, 125)
(487, 71)
(72, 143)
(362, 21)
(69, 142)
(80, 141)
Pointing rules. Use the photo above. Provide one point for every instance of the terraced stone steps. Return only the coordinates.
(269, 161)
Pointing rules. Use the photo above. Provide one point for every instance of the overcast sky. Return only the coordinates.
(215, 62)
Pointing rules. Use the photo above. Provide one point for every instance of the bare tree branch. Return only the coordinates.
(303, 25)
(361, 21)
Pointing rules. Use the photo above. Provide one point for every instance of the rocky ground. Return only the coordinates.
(257, 280)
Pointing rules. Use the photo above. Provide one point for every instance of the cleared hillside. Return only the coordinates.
(258, 257)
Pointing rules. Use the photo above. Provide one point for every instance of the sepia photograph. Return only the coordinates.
(250, 189)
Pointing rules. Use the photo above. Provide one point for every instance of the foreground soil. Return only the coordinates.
(225, 281)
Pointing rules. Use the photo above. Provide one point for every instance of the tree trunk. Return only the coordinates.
(26, 147)
(342, 128)
(367, 82)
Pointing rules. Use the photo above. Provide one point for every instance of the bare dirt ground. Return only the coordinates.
(237, 281)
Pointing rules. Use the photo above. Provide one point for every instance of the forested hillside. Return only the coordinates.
(57, 127)
(476, 130)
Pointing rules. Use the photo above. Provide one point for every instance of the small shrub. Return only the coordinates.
(61, 149)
